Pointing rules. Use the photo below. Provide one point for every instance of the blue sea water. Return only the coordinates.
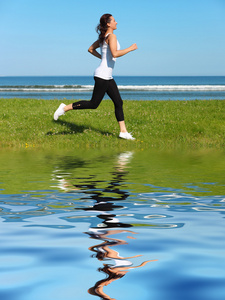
(78, 226)
(131, 87)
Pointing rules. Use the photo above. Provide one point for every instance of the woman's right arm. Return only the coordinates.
(92, 49)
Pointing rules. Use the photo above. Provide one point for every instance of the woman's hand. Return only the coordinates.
(133, 47)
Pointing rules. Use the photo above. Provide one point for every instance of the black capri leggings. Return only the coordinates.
(101, 87)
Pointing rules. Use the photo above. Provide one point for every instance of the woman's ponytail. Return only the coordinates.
(102, 27)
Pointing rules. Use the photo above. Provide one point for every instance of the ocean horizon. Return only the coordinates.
(131, 87)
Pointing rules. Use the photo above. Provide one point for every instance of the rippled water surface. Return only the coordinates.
(130, 225)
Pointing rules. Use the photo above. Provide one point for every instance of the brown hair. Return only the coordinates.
(102, 26)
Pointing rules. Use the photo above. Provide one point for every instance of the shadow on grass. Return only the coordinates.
(74, 128)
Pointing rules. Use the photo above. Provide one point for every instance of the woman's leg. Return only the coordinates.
(101, 87)
(114, 94)
(97, 96)
(99, 91)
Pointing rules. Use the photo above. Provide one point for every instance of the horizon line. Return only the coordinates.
(114, 75)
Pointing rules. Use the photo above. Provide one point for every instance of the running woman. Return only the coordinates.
(104, 82)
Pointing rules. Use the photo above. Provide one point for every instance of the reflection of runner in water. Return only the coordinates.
(104, 202)
(104, 252)
(113, 274)
(115, 266)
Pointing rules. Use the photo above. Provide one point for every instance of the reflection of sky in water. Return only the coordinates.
(95, 233)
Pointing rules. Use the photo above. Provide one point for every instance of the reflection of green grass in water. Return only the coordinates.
(148, 171)
(155, 124)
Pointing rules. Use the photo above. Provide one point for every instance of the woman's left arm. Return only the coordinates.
(113, 47)
(92, 49)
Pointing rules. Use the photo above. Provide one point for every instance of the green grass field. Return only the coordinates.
(28, 123)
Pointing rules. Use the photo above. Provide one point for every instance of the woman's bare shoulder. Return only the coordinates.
(112, 35)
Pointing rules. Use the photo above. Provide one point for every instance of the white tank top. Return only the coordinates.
(105, 69)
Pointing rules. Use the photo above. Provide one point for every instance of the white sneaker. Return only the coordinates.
(59, 112)
(126, 136)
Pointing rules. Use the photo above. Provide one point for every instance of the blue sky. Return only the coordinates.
(51, 37)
